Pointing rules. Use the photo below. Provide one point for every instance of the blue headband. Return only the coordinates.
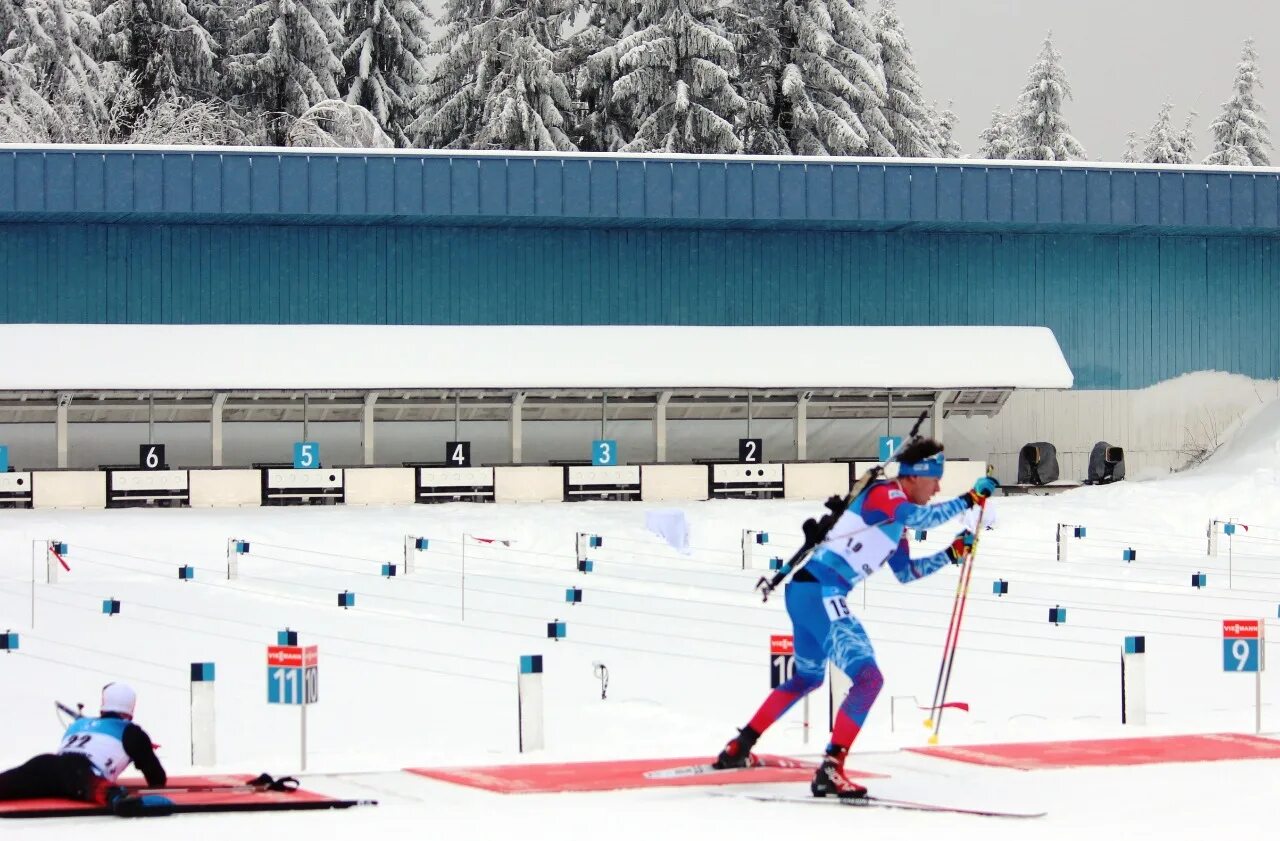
(930, 467)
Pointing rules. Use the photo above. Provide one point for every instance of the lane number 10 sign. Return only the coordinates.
(782, 659)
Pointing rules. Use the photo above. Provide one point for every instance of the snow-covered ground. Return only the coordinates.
(405, 680)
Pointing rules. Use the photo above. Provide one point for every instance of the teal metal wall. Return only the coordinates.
(1128, 309)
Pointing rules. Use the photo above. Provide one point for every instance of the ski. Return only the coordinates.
(709, 769)
(871, 802)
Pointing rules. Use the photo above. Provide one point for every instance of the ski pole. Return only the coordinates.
(816, 531)
(953, 629)
(262, 783)
(946, 646)
(967, 575)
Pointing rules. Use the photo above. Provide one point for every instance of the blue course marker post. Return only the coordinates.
(1133, 681)
(235, 548)
(529, 703)
(750, 539)
(203, 742)
(412, 546)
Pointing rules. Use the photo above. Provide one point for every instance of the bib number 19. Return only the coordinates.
(836, 607)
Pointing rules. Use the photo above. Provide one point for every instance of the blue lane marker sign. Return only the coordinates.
(604, 452)
(1241, 643)
(293, 674)
(4, 458)
(889, 443)
(306, 455)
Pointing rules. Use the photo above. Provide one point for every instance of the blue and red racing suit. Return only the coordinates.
(869, 535)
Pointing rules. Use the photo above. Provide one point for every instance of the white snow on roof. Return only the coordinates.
(163, 357)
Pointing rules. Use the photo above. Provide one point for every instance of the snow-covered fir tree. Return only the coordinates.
(1043, 131)
(858, 55)
(602, 125)
(336, 124)
(677, 82)
(497, 86)
(1165, 144)
(1240, 134)
(283, 61)
(999, 138)
(944, 128)
(760, 35)
(48, 68)
(799, 98)
(162, 44)
(19, 99)
(1132, 149)
(905, 107)
(385, 44)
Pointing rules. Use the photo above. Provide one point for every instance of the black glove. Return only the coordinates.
(960, 547)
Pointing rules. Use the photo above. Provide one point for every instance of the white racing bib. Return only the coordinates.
(864, 548)
(99, 740)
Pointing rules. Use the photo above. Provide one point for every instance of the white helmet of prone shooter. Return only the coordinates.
(118, 698)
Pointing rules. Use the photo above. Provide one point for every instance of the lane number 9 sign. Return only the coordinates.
(1242, 645)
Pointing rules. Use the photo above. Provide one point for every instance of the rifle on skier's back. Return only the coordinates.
(816, 531)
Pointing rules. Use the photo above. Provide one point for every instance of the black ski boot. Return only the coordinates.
(737, 754)
(830, 778)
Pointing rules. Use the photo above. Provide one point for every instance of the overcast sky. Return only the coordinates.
(1123, 58)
